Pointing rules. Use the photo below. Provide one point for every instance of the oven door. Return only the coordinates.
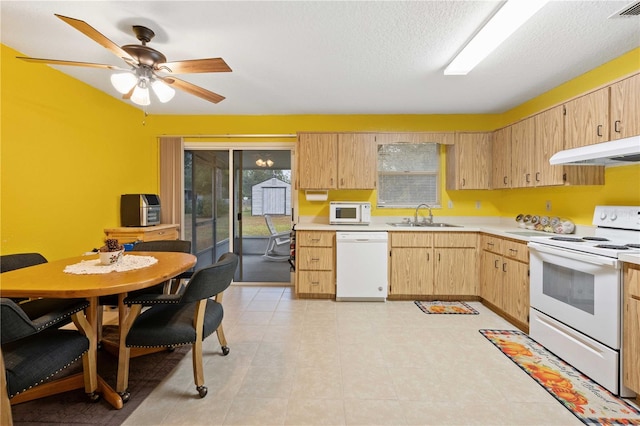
(578, 289)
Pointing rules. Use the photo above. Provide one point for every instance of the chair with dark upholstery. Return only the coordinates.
(179, 319)
(10, 262)
(34, 347)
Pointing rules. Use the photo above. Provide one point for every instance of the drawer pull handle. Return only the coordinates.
(315, 239)
(514, 251)
(315, 282)
(315, 259)
(490, 244)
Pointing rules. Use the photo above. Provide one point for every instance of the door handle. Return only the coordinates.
(616, 126)
(599, 130)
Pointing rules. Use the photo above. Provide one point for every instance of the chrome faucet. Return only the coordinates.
(415, 218)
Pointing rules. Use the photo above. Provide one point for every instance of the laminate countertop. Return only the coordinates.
(503, 227)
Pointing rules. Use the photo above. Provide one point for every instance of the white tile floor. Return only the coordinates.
(303, 362)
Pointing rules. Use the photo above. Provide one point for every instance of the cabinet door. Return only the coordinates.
(491, 278)
(411, 271)
(455, 272)
(631, 333)
(515, 286)
(625, 108)
(469, 161)
(357, 161)
(522, 153)
(587, 119)
(549, 133)
(317, 160)
(501, 158)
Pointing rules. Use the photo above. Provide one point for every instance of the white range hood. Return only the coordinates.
(618, 152)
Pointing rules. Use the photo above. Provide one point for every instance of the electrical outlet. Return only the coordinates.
(450, 204)
(548, 205)
(478, 205)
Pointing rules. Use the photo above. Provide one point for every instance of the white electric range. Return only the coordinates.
(576, 294)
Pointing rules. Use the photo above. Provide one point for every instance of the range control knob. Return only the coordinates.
(603, 215)
(613, 216)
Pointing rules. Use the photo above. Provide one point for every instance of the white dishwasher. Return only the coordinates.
(361, 263)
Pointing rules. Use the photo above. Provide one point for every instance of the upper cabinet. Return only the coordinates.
(501, 158)
(469, 161)
(523, 153)
(337, 160)
(317, 160)
(587, 119)
(357, 161)
(549, 139)
(625, 108)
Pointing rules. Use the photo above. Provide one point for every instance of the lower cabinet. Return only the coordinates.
(631, 331)
(315, 263)
(433, 264)
(504, 277)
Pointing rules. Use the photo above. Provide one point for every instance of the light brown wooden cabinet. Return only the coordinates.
(587, 119)
(411, 263)
(131, 234)
(625, 108)
(504, 278)
(533, 141)
(631, 324)
(315, 263)
(469, 161)
(337, 161)
(501, 177)
(433, 264)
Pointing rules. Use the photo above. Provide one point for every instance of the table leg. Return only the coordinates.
(126, 317)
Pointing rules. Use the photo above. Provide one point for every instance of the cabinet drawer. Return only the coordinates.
(455, 239)
(315, 239)
(316, 282)
(315, 258)
(514, 250)
(411, 239)
(161, 234)
(492, 244)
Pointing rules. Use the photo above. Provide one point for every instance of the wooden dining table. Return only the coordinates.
(50, 280)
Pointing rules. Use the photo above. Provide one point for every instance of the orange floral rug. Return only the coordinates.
(587, 400)
(440, 307)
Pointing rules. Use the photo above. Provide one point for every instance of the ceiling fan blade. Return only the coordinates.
(193, 89)
(96, 36)
(196, 66)
(72, 63)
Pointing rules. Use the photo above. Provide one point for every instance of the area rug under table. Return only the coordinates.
(73, 407)
(444, 307)
(587, 400)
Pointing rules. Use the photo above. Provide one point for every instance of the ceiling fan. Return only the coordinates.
(146, 65)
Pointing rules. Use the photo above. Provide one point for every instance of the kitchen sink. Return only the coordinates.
(422, 225)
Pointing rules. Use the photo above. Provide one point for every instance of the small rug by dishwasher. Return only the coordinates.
(588, 401)
(440, 307)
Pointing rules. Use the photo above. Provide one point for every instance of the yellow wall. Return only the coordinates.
(68, 151)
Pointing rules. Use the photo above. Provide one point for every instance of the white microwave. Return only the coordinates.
(349, 213)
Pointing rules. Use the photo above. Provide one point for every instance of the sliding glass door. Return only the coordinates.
(242, 199)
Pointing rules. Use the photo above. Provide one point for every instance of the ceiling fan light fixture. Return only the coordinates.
(123, 82)
(163, 91)
(140, 95)
(511, 16)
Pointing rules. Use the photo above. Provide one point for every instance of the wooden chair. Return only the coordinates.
(34, 348)
(178, 319)
(276, 239)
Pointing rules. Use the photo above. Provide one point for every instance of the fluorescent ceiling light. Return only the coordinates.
(505, 22)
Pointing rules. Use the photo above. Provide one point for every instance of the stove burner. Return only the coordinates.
(570, 239)
(636, 246)
(612, 247)
(594, 239)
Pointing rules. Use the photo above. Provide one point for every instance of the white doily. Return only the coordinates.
(126, 263)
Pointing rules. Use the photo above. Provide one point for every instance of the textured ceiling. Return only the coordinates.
(331, 57)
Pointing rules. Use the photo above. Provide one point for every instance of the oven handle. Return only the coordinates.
(574, 255)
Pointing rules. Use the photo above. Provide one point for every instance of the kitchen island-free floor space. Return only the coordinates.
(295, 362)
